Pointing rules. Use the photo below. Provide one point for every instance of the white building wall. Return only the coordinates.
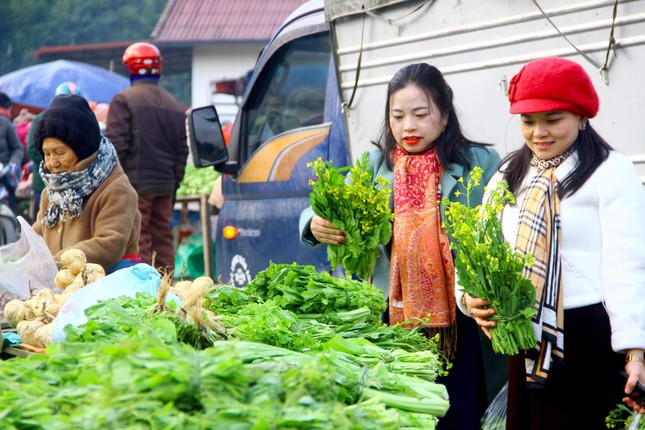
(214, 63)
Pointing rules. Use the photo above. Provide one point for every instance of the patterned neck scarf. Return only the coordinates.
(539, 235)
(422, 274)
(66, 191)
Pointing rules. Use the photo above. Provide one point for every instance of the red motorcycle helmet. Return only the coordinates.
(142, 59)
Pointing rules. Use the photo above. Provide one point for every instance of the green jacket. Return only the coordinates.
(486, 158)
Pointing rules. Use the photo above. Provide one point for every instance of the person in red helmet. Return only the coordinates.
(146, 125)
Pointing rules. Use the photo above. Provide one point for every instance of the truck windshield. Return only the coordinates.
(290, 92)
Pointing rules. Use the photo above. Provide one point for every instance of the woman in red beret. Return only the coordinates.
(580, 212)
(88, 202)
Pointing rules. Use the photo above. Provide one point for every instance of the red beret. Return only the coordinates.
(550, 84)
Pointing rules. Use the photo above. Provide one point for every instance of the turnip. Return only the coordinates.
(27, 330)
(91, 273)
(52, 307)
(181, 289)
(45, 294)
(59, 298)
(43, 335)
(43, 305)
(74, 260)
(202, 280)
(183, 285)
(93, 267)
(63, 278)
(71, 289)
(33, 308)
(14, 312)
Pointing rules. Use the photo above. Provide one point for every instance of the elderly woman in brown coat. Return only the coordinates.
(88, 202)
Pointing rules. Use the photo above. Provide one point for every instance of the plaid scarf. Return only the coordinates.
(422, 273)
(67, 190)
(539, 235)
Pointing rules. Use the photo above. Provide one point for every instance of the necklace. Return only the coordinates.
(542, 165)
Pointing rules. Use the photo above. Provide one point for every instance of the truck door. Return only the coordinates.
(290, 117)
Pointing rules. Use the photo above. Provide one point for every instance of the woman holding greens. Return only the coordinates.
(579, 213)
(422, 152)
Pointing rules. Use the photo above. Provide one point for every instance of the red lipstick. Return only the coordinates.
(412, 140)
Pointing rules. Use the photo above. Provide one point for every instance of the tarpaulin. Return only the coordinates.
(35, 85)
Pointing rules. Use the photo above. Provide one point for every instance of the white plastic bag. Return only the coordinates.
(27, 264)
(495, 416)
(140, 278)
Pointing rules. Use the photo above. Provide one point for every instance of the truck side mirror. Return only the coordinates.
(207, 144)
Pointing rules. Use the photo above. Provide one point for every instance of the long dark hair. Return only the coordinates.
(592, 151)
(451, 142)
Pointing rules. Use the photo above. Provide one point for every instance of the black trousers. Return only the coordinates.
(466, 381)
(578, 394)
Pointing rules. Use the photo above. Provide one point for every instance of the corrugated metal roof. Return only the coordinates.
(213, 21)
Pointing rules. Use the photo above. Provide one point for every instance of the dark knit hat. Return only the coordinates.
(553, 83)
(70, 119)
(5, 100)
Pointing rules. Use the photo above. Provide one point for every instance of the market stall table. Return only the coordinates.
(204, 217)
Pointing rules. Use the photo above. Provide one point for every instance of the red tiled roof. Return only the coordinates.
(81, 47)
(213, 21)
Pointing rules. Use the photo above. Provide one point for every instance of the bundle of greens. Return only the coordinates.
(359, 206)
(227, 299)
(270, 324)
(489, 268)
(421, 364)
(397, 391)
(297, 304)
(389, 336)
(318, 295)
(621, 417)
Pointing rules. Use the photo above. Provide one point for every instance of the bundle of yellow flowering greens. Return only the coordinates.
(359, 206)
(489, 268)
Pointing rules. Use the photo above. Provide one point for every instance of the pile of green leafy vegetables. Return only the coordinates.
(143, 382)
(308, 308)
(197, 181)
(281, 353)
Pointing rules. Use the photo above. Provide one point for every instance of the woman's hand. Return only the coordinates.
(475, 308)
(636, 373)
(325, 232)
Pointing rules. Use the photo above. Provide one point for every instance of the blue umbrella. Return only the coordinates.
(35, 85)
